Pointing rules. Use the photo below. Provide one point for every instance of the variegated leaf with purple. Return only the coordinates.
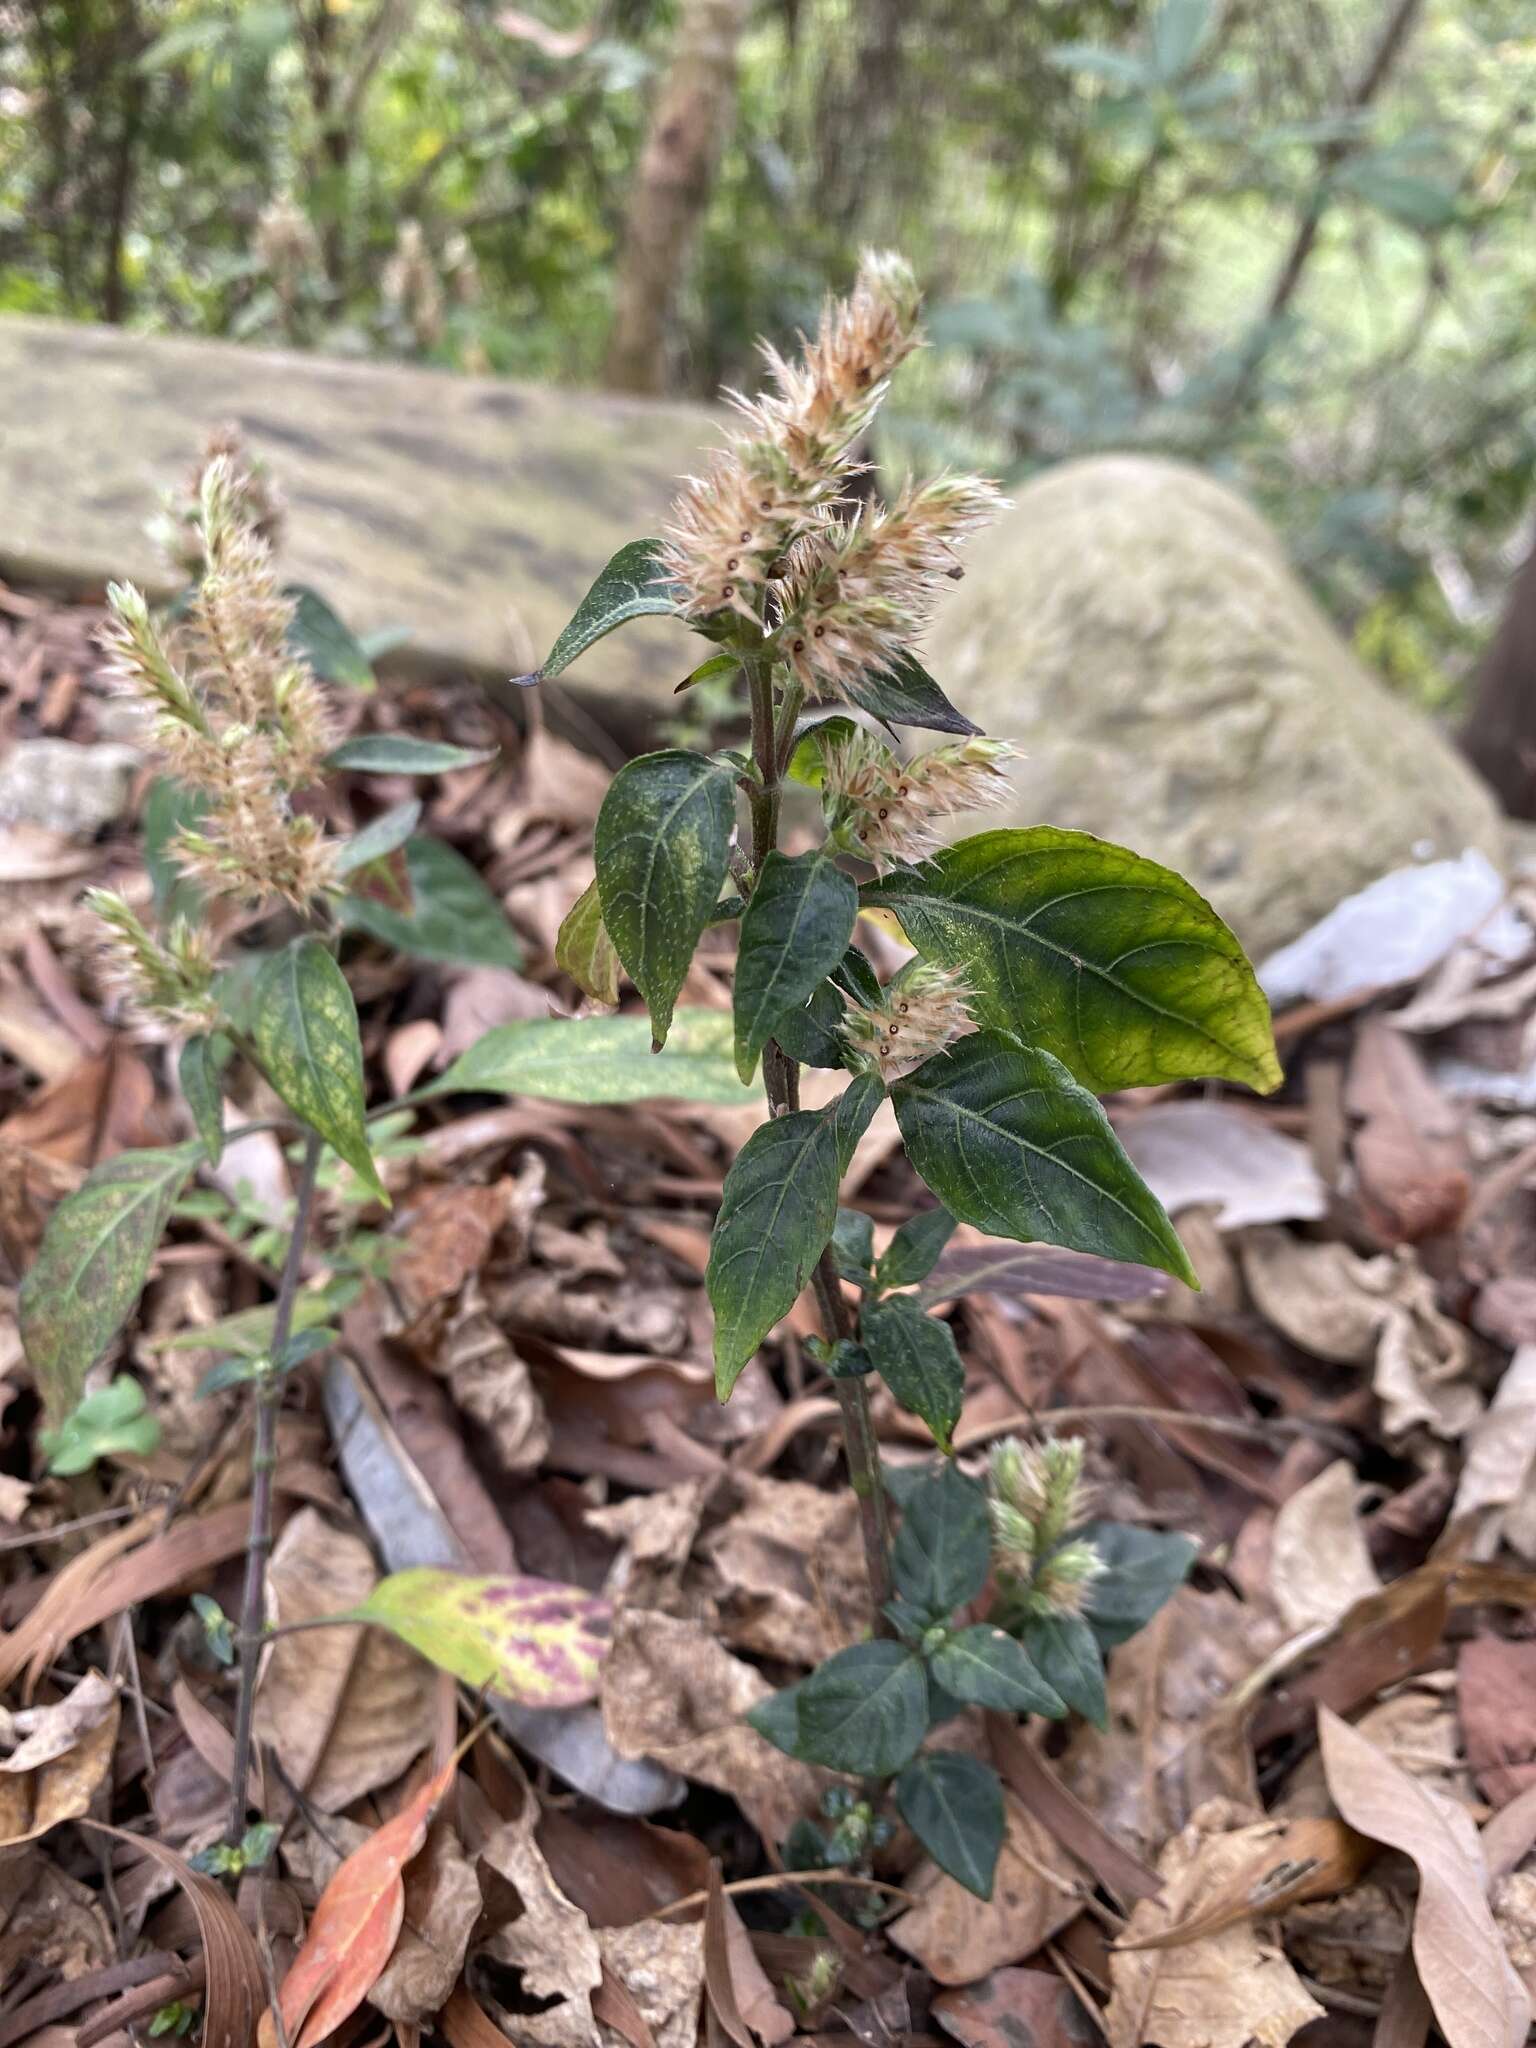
(531, 1640)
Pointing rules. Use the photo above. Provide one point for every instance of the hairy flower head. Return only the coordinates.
(169, 980)
(789, 459)
(1037, 1497)
(889, 810)
(922, 1010)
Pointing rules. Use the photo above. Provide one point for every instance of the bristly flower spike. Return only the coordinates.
(922, 1010)
(889, 810)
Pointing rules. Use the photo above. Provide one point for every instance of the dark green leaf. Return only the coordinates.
(1109, 961)
(865, 1710)
(397, 753)
(807, 764)
(777, 1718)
(113, 1422)
(905, 694)
(1067, 1656)
(858, 977)
(584, 951)
(332, 649)
(714, 669)
(169, 810)
(452, 915)
(915, 1355)
(944, 1546)
(852, 1114)
(853, 1246)
(1143, 1568)
(910, 1255)
(986, 1668)
(92, 1264)
(663, 833)
(630, 587)
(794, 931)
(777, 1210)
(814, 1035)
(236, 1370)
(307, 1040)
(845, 1360)
(954, 1806)
(198, 1072)
(601, 1059)
(1010, 1143)
(386, 835)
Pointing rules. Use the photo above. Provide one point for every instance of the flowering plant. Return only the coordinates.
(1048, 965)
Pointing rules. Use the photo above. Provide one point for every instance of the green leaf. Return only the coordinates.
(852, 1114)
(305, 1029)
(794, 931)
(1109, 961)
(905, 694)
(92, 1264)
(915, 1354)
(386, 835)
(601, 1059)
(984, 1667)
(865, 1710)
(943, 1549)
(530, 1640)
(198, 1072)
(331, 648)
(954, 1806)
(452, 914)
(584, 951)
(236, 1370)
(814, 1035)
(808, 762)
(397, 753)
(713, 669)
(630, 587)
(777, 1718)
(777, 1210)
(1143, 1568)
(853, 1246)
(1179, 32)
(170, 809)
(1009, 1142)
(663, 834)
(910, 1255)
(1067, 1656)
(113, 1422)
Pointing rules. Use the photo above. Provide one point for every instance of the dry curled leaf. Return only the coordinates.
(1319, 1565)
(1478, 2000)
(539, 1932)
(44, 1733)
(1292, 1862)
(62, 1787)
(1223, 1989)
(442, 1904)
(1012, 2008)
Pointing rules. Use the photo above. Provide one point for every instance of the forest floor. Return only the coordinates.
(1322, 1746)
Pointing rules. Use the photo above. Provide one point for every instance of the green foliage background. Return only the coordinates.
(1101, 194)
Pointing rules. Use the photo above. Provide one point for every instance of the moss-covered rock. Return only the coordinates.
(471, 511)
(1134, 627)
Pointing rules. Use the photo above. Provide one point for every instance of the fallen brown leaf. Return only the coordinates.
(442, 1903)
(958, 1937)
(1410, 1153)
(536, 1929)
(345, 1710)
(61, 1788)
(1293, 1862)
(1012, 2008)
(1223, 1989)
(1319, 1563)
(1478, 2000)
(661, 1965)
(44, 1733)
(1496, 1702)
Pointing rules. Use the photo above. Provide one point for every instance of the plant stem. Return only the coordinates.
(268, 1396)
(772, 736)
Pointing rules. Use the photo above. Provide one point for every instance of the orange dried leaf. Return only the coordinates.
(356, 1924)
(529, 1639)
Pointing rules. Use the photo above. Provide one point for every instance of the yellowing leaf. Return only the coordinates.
(529, 1639)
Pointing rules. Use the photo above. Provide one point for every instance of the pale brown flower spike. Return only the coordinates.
(239, 716)
(889, 810)
(760, 535)
(922, 1010)
(169, 981)
(1038, 1495)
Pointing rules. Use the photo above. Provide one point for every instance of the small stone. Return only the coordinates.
(66, 787)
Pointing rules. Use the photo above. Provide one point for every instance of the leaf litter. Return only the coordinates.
(1307, 1796)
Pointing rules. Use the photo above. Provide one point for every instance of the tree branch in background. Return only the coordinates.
(677, 168)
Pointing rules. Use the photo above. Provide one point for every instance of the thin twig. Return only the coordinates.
(773, 1881)
(268, 1393)
(35, 1538)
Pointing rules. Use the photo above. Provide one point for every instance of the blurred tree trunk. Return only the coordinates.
(689, 125)
(1500, 735)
